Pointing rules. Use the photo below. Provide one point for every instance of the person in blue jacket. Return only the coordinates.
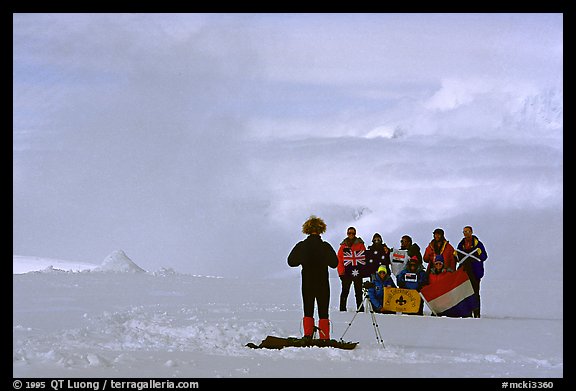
(381, 280)
(471, 256)
(413, 277)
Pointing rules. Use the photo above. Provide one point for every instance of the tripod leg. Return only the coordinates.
(365, 295)
(369, 308)
(379, 338)
(349, 324)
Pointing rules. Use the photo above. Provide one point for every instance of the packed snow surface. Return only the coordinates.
(107, 321)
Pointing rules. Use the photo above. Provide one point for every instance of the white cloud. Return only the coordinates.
(169, 140)
(455, 93)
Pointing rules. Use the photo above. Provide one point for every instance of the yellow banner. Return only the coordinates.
(401, 300)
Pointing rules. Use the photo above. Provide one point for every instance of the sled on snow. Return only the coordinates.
(272, 342)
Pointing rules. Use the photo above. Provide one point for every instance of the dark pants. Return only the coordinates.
(467, 265)
(312, 292)
(476, 286)
(347, 281)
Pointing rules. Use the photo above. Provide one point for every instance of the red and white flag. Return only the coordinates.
(451, 295)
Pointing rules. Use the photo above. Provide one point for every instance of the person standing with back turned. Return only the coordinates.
(315, 256)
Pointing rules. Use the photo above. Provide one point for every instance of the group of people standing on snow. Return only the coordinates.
(406, 263)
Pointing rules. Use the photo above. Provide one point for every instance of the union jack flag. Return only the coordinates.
(354, 261)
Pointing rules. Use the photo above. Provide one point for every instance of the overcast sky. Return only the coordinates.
(156, 132)
(296, 67)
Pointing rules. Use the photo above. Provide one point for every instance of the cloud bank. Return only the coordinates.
(202, 142)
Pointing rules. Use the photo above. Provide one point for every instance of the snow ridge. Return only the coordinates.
(118, 261)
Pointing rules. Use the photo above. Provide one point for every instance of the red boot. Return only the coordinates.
(308, 326)
(324, 326)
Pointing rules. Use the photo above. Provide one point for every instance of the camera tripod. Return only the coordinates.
(370, 309)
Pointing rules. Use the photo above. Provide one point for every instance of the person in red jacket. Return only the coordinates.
(351, 250)
(440, 246)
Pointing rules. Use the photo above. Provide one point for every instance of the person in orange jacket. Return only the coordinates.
(440, 246)
(351, 249)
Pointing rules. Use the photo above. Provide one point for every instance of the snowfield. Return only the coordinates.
(117, 320)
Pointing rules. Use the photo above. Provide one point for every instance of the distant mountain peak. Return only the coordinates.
(118, 261)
